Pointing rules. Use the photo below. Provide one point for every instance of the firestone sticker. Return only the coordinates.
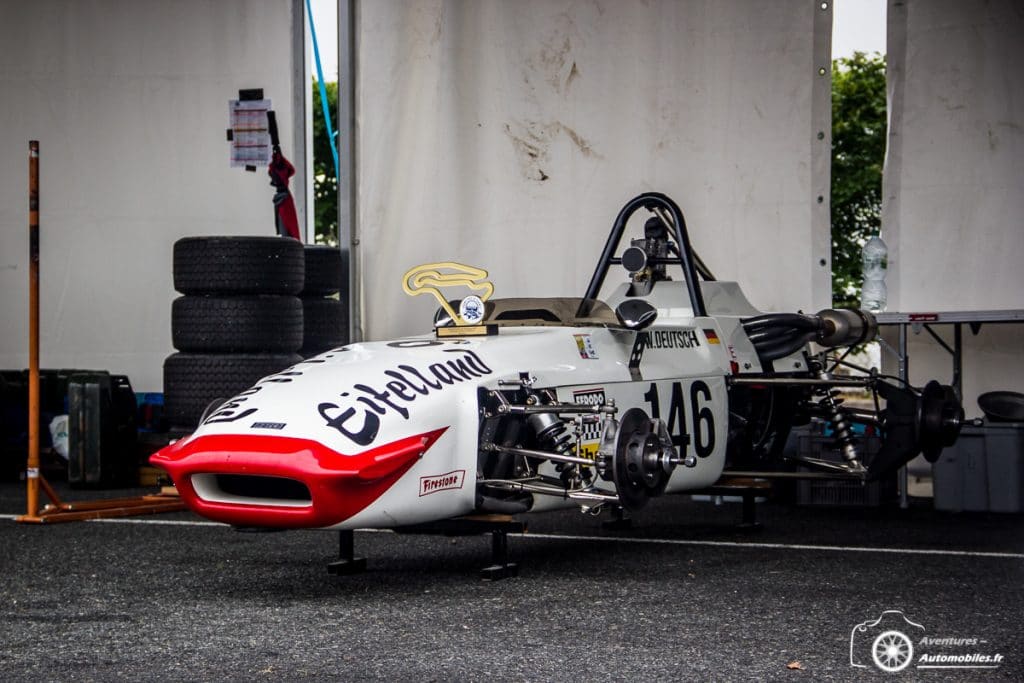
(442, 482)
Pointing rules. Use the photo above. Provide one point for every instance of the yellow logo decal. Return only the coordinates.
(430, 278)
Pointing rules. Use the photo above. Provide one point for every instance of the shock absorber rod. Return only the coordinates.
(530, 453)
(841, 428)
(559, 408)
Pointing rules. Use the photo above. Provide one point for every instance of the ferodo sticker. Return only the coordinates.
(590, 437)
(442, 482)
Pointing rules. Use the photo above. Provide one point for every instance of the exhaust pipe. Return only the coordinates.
(777, 335)
(845, 327)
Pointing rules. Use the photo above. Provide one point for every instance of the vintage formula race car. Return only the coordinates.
(512, 405)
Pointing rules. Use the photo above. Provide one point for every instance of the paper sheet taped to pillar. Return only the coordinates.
(250, 136)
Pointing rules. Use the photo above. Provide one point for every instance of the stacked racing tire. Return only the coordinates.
(324, 300)
(240, 319)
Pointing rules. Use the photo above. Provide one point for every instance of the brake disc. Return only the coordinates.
(939, 419)
(643, 459)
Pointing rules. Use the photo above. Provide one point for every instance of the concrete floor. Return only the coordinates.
(681, 596)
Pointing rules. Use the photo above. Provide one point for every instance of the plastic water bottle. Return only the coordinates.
(874, 261)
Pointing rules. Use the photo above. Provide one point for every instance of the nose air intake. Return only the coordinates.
(283, 482)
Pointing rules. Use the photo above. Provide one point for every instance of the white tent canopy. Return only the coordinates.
(508, 134)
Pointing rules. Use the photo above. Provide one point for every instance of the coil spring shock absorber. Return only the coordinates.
(832, 405)
(553, 433)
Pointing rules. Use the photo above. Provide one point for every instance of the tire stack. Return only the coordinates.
(238, 321)
(324, 300)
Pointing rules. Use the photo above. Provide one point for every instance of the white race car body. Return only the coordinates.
(547, 402)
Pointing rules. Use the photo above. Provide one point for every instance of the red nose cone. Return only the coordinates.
(284, 482)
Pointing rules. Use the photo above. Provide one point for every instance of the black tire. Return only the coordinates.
(325, 323)
(193, 381)
(271, 324)
(238, 265)
(326, 270)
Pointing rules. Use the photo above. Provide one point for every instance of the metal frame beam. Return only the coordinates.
(348, 230)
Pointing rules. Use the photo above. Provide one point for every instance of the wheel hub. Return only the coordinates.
(644, 459)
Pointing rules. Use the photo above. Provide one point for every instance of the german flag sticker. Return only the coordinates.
(712, 337)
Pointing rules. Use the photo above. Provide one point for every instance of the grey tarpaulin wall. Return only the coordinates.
(129, 103)
(508, 134)
(953, 211)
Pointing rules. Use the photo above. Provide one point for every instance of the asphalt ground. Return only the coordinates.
(683, 595)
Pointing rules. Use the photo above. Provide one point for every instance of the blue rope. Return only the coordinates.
(331, 133)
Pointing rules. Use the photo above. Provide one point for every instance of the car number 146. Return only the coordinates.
(701, 417)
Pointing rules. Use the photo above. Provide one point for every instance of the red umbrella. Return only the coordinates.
(280, 171)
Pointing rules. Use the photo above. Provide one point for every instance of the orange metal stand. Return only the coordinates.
(77, 511)
(57, 510)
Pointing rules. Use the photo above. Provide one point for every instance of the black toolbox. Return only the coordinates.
(53, 392)
(102, 431)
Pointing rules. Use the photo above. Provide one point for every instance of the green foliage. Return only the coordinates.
(325, 180)
(858, 150)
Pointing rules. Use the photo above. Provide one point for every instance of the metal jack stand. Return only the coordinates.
(748, 520)
(619, 520)
(500, 567)
(347, 563)
(499, 526)
(748, 489)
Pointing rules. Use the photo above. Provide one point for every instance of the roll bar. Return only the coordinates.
(686, 258)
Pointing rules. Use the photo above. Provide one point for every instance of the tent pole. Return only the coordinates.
(32, 473)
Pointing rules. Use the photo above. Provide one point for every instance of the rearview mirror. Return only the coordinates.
(635, 314)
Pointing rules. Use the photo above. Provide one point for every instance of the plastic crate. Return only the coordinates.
(983, 471)
(839, 492)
